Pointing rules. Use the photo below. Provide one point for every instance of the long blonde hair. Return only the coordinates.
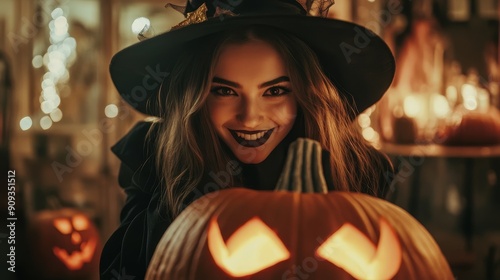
(187, 146)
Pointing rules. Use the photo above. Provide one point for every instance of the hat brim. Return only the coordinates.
(358, 62)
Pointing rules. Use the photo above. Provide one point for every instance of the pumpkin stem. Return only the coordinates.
(303, 170)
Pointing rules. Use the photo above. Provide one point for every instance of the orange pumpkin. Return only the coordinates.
(246, 234)
(472, 128)
(264, 235)
(64, 244)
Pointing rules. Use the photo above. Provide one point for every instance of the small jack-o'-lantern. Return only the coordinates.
(64, 244)
(245, 234)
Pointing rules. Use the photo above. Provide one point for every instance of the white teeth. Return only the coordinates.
(251, 136)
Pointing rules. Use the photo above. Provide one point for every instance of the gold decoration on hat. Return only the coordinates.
(197, 16)
(313, 7)
(317, 8)
(221, 12)
(176, 7)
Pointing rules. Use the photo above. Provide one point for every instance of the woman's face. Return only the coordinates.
(251, 105)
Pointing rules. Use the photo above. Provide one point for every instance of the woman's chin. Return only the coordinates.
(250, 155)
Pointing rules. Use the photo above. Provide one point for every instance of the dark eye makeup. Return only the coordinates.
(273, 91)
(222, 91)
(277, 91)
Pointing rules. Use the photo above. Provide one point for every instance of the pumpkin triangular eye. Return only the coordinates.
(63, 226)
(350, 249)
(80, 222)
(250, 249)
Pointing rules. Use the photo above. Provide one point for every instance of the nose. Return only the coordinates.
(250, 113)
(76, 238)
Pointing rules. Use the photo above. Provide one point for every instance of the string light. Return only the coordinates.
(59, 56)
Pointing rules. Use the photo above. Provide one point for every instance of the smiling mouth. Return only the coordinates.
(251, 139)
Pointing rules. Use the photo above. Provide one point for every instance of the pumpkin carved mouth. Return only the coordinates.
(251, 140)
(76, 259)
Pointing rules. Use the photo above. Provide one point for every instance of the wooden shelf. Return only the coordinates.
(434, 150)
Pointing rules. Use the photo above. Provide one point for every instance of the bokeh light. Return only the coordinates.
(412, 106)
(56, 115)
(364, 120)
(45, 122)
(57, 12)
(111, 111)
(25, 123)
(140, 24)
(441, 106)
(47, 106)
(37, 61)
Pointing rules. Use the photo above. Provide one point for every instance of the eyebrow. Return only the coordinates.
(265, 84)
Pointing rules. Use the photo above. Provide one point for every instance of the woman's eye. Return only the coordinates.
(277, 91)
(223, 91)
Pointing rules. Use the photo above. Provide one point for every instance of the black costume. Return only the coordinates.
(131, 247)
(361, 75)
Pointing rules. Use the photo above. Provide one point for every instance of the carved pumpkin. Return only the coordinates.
(64, 244)
(246, 234)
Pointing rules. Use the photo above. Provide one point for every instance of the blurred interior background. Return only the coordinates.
(60, 114)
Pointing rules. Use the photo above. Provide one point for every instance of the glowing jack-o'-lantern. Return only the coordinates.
(65, 244)
(246, 234)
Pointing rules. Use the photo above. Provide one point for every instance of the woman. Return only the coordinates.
(239, 87)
